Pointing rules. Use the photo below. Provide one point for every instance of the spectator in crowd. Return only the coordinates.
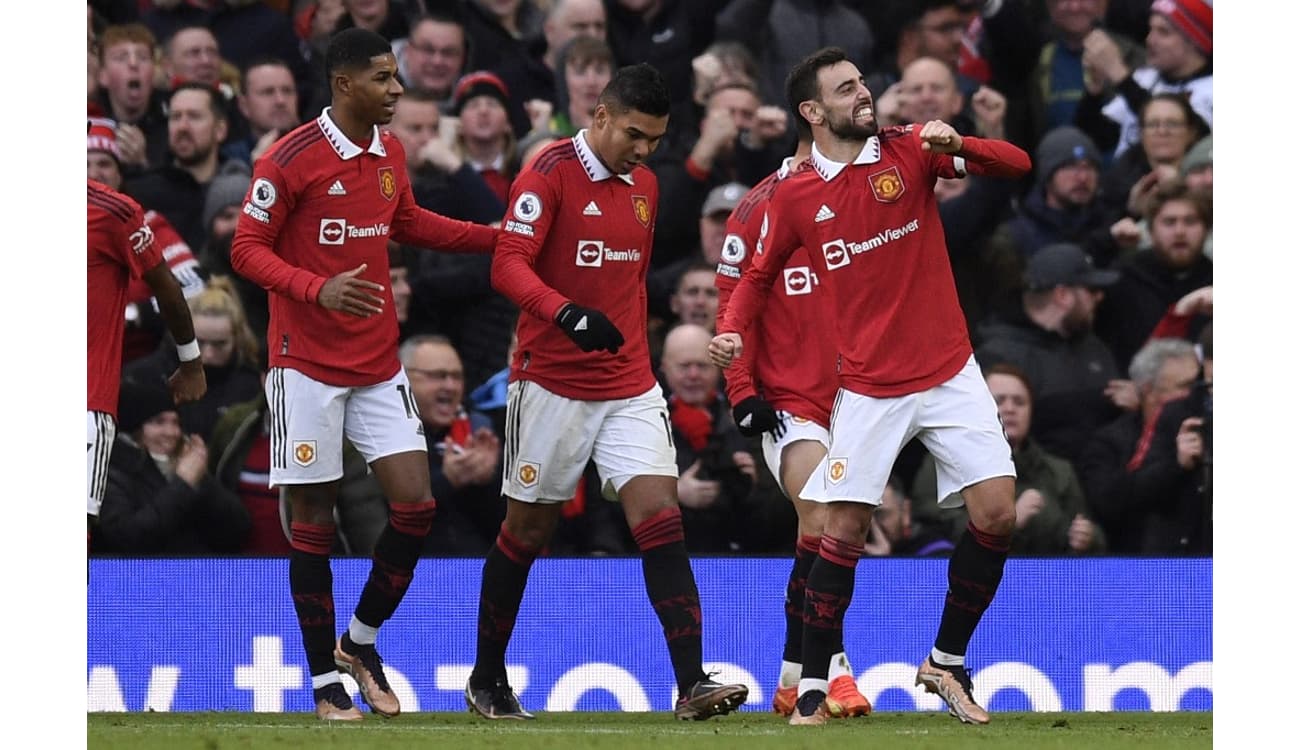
(442, 179)
(1197, 170)
(1057, 83)
(228, 349)
(1051, 513)
(400, 260)
(433, 57)
(1169, 129)
(668, 34)
(485, 139)
(239, 459)
(159, 499)
(191, 53)
(1179, 48)
(739, 140)
(464, 452)
(1077, 386)
(221, 212)
(127, 95)
(196, 126)
(268, 103)
(384, 17)
(781, 33)
(506, 39)
(1150, 283)
(1120, 494)
(1177, 469)
(144, 323)
(696, 298)
(567, 20)
(585, 65)
(894, 534)
(928, 28)
(928, 91)
(662, 283)
(716, 471)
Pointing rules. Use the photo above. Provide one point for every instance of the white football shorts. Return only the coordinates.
(309, 420)
(957, 421)
(101, 430)
(549, 439)
(792, 429)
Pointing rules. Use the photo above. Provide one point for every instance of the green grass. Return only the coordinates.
(657, 731)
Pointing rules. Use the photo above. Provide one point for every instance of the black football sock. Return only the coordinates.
(826, 599)
(974, 573)
(312, 585)
(505, 573)
(670, 583)
(396, 552)
(805, 552)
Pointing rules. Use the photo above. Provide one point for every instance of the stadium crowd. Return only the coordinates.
(1087, 288)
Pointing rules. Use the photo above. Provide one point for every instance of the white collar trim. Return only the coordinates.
(829, 169)
(596, 171)
(343, 146)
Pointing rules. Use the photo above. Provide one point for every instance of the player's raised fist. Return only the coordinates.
(724, 348)
(940, 137)
(350, 294)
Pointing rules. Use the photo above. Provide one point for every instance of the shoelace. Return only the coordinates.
(370, 660)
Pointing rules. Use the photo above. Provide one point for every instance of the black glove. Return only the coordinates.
(754, 416)
(589, 328)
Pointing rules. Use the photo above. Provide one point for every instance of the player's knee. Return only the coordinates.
(848, 521)
(413, 519)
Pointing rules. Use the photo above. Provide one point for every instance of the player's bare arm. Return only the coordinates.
(188, 383)
(724, 348)
(350, 294)
(940, 137)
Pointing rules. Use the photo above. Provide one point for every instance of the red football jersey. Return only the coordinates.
(184, 266)
(320, 205)
(577, 232)
(789, 353)
(119, 245)
(873, 233)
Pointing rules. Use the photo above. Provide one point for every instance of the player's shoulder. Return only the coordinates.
(553, 156)
(392, 145)
(801, 182)
(294, 143)
(757, 197)
(116, 204)
(643, 175)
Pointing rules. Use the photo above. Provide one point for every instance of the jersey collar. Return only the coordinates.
(343, 146)
(828, 169)
(596, 171)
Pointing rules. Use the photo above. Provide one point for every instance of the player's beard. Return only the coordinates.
(848, 130)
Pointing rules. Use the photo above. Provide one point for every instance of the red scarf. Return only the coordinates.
(694, 422)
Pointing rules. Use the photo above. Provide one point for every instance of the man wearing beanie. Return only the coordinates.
(1064, 206)
(144, 325)
(482, 103)
(1179, 60)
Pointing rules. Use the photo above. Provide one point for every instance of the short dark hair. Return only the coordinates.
(1006, 368)
(640, 87)
(259, 62)
(216, 102)
(171, 40)
(352, 49)
(801, 84)
(1176, 189)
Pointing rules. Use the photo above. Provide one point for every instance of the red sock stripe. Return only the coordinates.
(995, 542)
(311, 538)
(412, 519)
(664, 527)
(840, 552)
(514, 549)
(808, 543)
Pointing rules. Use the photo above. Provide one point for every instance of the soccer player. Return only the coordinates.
(119, 246)
(324, 202)
(573, 256)
(787, 399)
(867, 214)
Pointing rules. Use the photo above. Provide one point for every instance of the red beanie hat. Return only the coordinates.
(1194, 18)
(101, 135)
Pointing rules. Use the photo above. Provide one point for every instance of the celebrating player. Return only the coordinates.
(788, 401)
(867, 214)
(120, 245)
(573, 256)
(324, 202)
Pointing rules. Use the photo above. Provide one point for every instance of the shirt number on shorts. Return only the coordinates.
(408, 401)
(667, 429)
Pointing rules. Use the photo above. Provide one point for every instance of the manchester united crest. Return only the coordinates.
(887, 185)
(387, 183)
(641, 207)
(527, 473)
(304, 452)
(836, 470)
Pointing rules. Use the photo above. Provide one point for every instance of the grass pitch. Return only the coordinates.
(647, 731)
